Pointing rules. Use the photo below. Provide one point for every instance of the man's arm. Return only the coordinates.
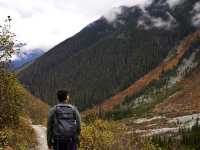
(50, 127)
(78, 120)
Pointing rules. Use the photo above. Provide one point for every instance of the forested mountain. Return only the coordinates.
(163, 84)
(108, 56)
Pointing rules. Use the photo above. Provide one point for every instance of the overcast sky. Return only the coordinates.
(44, 23)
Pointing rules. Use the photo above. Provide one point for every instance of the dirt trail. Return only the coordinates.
(41, 137)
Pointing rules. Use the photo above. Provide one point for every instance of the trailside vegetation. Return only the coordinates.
(15, 127)
(110, 135)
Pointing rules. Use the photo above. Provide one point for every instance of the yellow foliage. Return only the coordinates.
(22, 137)
(11, 100)
(35, 109)
(97, 135)
(111, 135)
(150, 146)
(14, 130)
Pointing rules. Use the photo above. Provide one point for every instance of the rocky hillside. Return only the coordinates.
(107, 57)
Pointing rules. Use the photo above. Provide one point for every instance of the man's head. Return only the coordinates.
(63, 96)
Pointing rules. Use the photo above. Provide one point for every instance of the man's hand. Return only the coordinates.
(50, 147)
(77, 140)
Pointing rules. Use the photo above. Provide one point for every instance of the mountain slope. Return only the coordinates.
(105, 58)
(155, 74)
(185, 102)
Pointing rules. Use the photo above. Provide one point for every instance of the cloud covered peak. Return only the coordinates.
(112, 14)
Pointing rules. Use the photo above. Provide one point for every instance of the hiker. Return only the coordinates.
(63, 128)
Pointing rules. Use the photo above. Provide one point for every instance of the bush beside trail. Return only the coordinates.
(15, 130)
(16, 104)
(110, 135)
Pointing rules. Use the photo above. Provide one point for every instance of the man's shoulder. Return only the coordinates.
(52, 109)
(72, 106)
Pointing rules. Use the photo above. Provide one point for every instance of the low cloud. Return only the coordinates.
(196, 15)
(197, 7)
(196, 20)
(173, 3)
(112, 14)
(160, 23)
(147, 21)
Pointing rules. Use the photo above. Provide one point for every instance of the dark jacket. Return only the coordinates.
(50, 124)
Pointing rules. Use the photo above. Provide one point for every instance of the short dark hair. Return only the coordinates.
(62, 95)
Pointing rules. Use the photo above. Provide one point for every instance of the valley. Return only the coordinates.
(135, 80)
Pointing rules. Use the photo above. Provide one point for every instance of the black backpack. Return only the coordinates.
(64, 122)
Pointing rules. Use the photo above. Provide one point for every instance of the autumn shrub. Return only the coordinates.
(111, 135)
(16, 132)
(97, 135)
(11, 100)
(35, 109)
(22, 137)
(17, 108)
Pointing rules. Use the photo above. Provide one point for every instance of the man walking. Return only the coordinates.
(63, 129)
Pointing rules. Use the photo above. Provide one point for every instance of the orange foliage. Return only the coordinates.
(36, 110)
